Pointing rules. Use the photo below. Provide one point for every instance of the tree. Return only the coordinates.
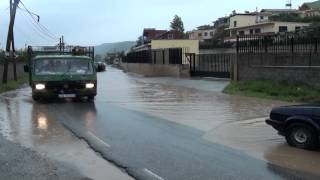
(139, 42)
(177, 24)
(313, 30)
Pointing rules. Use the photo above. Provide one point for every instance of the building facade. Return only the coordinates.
(154, 34)
(203, 35)
(258, 24)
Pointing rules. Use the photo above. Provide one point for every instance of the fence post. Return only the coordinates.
(194, 62)
(235, 63)
(154, 57)
(190, 62)
(316, 45)
(163, 56)
(237, 44)
(265, 42)
(292, 44)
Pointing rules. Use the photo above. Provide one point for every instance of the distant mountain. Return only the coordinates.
(103, 49)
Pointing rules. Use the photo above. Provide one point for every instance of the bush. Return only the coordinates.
(275, 90)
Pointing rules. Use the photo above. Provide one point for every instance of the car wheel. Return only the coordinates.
(302, 136)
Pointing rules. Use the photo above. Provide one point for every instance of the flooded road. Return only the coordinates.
(157, 128)
(26, 122)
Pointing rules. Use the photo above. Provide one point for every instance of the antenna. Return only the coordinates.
(289, 4)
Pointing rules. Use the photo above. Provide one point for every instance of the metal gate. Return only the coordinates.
(211, 65)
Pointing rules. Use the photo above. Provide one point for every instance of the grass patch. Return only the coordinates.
(12, 85)
(274, 90)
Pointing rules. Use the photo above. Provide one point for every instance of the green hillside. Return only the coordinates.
(103, 49)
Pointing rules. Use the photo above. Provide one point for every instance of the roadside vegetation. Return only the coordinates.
(12, 85)
(275, 90)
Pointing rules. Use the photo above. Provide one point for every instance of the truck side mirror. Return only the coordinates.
(26, 68)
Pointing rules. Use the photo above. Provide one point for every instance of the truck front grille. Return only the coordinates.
(55, 85)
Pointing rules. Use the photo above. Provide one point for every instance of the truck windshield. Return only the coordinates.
(63, 66)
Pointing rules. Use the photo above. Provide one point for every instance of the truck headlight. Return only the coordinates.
(89, 85)
(40, 86)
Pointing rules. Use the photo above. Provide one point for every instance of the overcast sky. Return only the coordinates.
(93, 22)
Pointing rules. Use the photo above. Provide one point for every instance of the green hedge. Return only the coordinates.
(275, 90)
(12, 85)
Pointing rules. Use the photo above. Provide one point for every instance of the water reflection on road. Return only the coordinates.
(234, 121)
(30, 124)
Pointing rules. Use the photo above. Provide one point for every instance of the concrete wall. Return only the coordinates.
(290, 25)
(218, 51)
(242, 20)
(20, 70)
(154, 70)
(272, 27)
(192, 46)
(298, 68)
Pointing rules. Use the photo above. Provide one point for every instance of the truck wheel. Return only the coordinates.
(302, 136)
(90, 98)
(36, 98)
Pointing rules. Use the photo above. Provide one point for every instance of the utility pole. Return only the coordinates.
(10, 41)
(62, 39)
(60, 45)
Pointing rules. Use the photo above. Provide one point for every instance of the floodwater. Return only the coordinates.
(25, 122)
(234, 121)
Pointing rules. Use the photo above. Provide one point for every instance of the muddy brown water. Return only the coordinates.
(234, 121)
(24, 122)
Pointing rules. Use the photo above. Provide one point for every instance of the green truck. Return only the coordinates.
(67, 72)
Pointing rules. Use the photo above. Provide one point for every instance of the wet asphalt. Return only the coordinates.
(144, 126)
(138, 142)
(17, 162)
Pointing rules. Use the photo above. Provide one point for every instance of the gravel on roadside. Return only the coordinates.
(17, 162)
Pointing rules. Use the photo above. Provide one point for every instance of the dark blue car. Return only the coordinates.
(300, 124)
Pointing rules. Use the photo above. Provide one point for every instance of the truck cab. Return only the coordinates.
(62, 74)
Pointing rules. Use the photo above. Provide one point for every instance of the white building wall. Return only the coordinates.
(290, 25)
(242, 20)
(205, 34)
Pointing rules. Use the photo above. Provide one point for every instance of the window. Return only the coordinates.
(283, 29)
(206, 34)
(241, 33)
(211, 34)
(63, 67)
(200, 34)
(251, 31)
(170, 36)
(257, 31)
(234, 23)
(261, 17)
(297, 28)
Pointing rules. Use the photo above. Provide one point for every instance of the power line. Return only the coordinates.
(22, 32)
(38, 25)
(32, 15)
(37, 30)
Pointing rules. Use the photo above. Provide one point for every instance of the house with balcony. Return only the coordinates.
(154, 39)
(258, 23)
(310, 9)
(202, 33)
(154, 34)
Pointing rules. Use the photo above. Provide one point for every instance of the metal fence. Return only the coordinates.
(138, 57)
(212, 65)
(157, 56)
(280, 43)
